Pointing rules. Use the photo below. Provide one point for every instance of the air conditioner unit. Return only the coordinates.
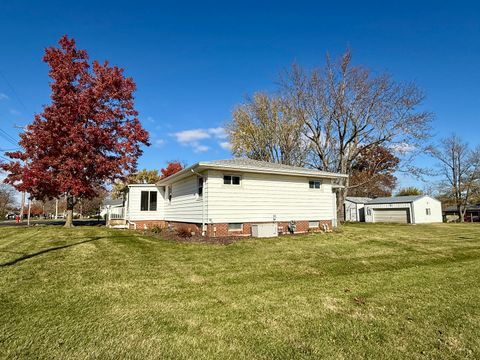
(265, 230)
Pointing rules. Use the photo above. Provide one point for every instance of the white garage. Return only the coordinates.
(421, 209)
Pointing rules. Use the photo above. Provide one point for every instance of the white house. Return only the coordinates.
(354, 208)
(419, 209)
(232, 197)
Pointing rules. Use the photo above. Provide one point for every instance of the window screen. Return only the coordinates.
(314, 184)
(148, 201)
(153, 201)
(200, 186)
(144, 201)
(235, 227)
(313, 224)
(231, 179)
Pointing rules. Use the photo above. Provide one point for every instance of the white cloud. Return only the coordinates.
(158, 143)
(187, 136)
(150, 119)
(225, 145)
(3, 96)
(193, 137)
(403, 148)
(218, 132)
(14, 112)
(199, 148)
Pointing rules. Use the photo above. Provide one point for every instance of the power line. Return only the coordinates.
(8, 137)
(13, 91)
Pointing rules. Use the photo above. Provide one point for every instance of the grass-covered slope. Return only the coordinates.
(370, 291)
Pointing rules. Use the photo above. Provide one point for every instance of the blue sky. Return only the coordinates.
(193, 62)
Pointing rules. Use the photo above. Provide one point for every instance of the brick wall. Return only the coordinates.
(220, 230)
(217, 230)
(142, 224)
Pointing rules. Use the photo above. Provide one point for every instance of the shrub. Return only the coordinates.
(156, 229)
(183, 231)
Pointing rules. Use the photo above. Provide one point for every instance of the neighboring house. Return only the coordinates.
(232, 197)
(472, 213)
(353, 208)
(419, 209)
(113, 209)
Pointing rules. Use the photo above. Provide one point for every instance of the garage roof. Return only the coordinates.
(395, 199)
(358, 200)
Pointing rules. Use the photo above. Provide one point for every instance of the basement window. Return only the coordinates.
(314, 184)
(231, 179)
(313, 224)
(148, 201)
(235, 227)
(428, 211)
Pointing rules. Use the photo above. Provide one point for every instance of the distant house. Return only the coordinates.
(472, 213)
(236, 197)
(113, 207)
(354, 208)
(419, 209)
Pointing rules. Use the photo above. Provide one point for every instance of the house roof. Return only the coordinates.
(112, 202)
(248, 165)
(395, 199)
(358, 200)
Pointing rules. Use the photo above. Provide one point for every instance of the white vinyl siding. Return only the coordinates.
(186, 205)
(419, 209)
(267, 197)
(350, 211)
(133, 203)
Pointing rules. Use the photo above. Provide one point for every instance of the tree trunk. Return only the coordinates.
(70, 205)
(461, 214)
(341, 195)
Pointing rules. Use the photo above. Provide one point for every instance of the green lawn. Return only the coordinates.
(369, 291)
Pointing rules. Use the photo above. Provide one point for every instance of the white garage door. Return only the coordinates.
(391, 215)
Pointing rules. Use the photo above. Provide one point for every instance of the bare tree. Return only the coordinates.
(265, 128)
(346, 110)
(7, 199)
(459, 166)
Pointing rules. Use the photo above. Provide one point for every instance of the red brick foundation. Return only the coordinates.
(221, 229)
(146, 224)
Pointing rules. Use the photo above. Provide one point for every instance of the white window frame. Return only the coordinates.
(235, 230)
(428, 211)
(315, 222)
(231, 180)
(149, 201)
(314, 182)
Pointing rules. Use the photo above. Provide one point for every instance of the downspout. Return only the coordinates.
(203, 199)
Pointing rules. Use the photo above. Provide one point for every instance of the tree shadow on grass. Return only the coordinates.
(44, 251)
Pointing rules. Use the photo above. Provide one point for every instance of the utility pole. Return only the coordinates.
(22, 206)
(29, 209)
(23, 192)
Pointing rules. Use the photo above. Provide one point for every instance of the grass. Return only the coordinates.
(369, 291)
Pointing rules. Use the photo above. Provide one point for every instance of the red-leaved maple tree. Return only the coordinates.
(172, 168)
(88, 136)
